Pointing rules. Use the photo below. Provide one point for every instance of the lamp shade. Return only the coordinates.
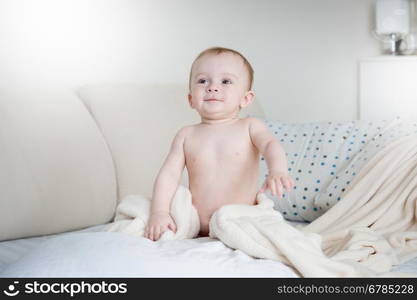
(392, 16)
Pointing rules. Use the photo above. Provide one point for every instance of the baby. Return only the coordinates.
(222, 152)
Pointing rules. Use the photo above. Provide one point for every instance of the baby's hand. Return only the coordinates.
(276, 181)
(158, 223)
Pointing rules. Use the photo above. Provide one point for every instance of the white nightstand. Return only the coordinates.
(388, 87)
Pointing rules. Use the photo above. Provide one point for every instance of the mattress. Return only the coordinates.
(12, 250)
(95, 253)
(92, 252)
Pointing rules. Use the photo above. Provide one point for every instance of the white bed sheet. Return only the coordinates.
(93, 253)
(109, 254)
(13, 250)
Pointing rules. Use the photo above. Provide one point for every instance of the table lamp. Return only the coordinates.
(392, 23)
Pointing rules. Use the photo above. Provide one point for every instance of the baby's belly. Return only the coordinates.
(211, 194)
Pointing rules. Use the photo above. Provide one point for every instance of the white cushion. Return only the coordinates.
(56, 173)
(139, 123)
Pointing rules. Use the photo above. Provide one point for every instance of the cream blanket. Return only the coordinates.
(373, 228)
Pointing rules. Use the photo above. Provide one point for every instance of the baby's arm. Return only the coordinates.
(165, 186)
(275, 158)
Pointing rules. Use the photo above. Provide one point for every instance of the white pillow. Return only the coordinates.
(324, 157)
(370, 138)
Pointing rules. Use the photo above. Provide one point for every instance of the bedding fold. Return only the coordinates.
(132, 215)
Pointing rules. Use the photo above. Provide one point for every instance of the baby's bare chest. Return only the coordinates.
(208, 149)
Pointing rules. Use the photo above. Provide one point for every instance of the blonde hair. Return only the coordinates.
(219, 50)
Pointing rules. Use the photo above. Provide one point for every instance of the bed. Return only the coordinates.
(91, 253)
(57, 226)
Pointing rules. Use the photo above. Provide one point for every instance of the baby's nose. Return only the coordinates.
(213, 90)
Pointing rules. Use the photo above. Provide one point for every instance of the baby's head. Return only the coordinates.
(220, 83)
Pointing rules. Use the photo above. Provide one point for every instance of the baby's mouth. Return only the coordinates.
(212, 100)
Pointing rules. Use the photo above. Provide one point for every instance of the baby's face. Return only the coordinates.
(219, 86)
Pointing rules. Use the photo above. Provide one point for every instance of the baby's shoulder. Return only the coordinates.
(252, 121)
(185, 131)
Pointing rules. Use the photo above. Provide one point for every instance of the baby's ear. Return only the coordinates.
(249, 96)
(189, 100)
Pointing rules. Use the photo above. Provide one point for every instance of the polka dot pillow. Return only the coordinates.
(324, 157)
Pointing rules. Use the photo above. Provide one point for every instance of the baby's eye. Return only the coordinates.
(226, 81)
(202, 81)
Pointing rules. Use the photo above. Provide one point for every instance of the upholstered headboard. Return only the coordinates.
(56, 172)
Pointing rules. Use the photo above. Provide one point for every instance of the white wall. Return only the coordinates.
(304, 52)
